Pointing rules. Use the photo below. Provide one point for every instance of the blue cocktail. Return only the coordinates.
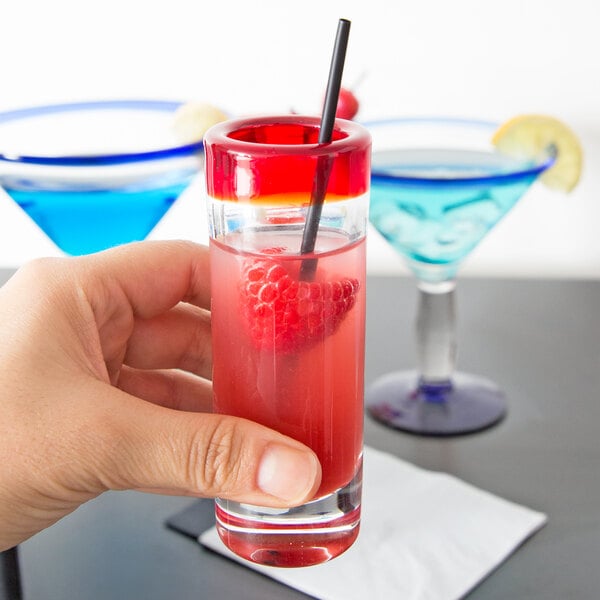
(438, 186)
(93, 175)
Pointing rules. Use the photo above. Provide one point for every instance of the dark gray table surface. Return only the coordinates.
(540, 340)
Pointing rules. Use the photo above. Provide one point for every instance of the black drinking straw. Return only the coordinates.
(10, 575)
(324, 163)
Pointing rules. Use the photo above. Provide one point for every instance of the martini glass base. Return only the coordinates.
(467, 404)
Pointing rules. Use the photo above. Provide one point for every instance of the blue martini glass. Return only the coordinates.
(437, 187)
(93, 175)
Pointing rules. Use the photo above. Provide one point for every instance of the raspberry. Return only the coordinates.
(284, 314)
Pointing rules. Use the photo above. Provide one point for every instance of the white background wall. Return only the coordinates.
(462, 57)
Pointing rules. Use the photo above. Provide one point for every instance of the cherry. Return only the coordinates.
(347, 104)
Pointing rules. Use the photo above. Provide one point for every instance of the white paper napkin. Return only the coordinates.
(424, 536)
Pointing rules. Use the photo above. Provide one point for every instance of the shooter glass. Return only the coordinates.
(288, 324)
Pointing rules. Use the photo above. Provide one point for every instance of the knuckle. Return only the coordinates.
(40, 272)
(214, 465)
(38, 267)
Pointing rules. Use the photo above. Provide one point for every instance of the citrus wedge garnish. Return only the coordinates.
(193, 119)
(529, 136)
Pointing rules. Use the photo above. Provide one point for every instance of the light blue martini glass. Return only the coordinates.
(93, 175)
(437, 187)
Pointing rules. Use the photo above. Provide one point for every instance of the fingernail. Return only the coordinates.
(287, 473)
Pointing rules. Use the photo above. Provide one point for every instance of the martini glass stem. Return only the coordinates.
(436, 337)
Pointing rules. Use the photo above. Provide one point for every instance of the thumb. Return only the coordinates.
(155, 448)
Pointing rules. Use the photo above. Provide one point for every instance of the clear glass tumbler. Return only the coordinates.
(288, 316)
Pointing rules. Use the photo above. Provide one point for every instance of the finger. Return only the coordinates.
(137, 281)
(173, 389)
(178, 339)
(151, 276)
(145, 446)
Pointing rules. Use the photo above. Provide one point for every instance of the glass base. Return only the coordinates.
(296, 537)
(464, 405)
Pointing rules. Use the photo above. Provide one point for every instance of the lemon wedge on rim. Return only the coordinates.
(528, 136)
(193, 119)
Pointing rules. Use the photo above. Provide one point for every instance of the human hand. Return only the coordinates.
(105, 363)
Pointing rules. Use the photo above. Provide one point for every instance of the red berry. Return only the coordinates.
(347, 105)
(286, 315)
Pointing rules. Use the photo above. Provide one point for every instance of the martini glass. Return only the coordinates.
(437, 187)
(93, 175)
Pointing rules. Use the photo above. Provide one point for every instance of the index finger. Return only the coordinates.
(154, 276)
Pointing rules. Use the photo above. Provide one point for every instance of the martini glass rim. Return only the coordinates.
(527, 170)
(70, 160)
